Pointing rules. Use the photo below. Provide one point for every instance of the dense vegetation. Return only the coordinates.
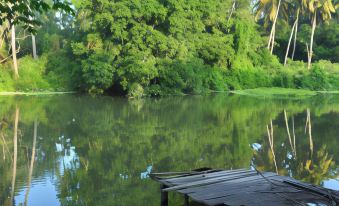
(159, 47)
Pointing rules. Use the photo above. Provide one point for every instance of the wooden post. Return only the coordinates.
(187, 200)
(164, 196)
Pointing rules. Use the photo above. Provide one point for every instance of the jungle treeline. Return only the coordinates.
(161, 47)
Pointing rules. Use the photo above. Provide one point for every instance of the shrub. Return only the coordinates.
(284, 78)
(136, 91)
(31, 73)
(97, 72)
(315, 79)
(6, 81)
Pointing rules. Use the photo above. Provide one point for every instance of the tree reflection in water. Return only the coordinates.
(98, 151)
(307, 166)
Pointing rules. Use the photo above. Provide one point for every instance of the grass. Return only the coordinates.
(32, 93)
(276, 92)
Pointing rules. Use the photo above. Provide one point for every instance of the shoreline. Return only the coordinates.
(34, 93)
(263, 91)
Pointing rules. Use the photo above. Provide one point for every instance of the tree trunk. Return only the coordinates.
(15, 154)
(310, 54)
(295, 35)
(231, 13)
(15, 63)
(35, 56)
(289, 42)
(272, 35)
(273, 40)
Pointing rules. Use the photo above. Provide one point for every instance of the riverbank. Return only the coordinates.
(34, 93)
(284, 92)
(263, 92)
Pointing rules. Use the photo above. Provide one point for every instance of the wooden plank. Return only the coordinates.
(192, 178)
(225, 189)
(167, 175)
(245, 187)
(311, 188)
(212, 180)
(229, 184)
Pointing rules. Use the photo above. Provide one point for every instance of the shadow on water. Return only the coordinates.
(80, 150)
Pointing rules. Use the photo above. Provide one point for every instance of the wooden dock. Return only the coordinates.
(242, 187)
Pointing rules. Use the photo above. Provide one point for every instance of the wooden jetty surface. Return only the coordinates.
(242, 187)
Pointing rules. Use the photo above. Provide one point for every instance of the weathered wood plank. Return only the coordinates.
(245, 187)
(229, 184)
(213, 180)
(192, 178)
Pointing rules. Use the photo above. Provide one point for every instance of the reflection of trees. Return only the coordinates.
(270, 136)
(35, 133)
(5, 149)
(308, 127)
(317, 169)
(115, 140)
(292, 143)
(307, 167)
(15, 150)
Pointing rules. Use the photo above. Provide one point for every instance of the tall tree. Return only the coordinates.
(323, 10)
(269, 10)
(293, 31)
(13, 42)
(34, 52)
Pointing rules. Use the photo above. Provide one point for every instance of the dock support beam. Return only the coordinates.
(187, 200)
(164, 196)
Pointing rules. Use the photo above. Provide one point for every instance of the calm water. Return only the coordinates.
(81, 150)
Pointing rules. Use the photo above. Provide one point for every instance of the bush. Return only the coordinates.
(62, 73)
(284, 78)
(315, 79)
(248, 79)
(191, 76)
(97, 73)
(32, 75)
(136, 91)
(6, 81)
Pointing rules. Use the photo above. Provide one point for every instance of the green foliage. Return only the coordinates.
(165, 46)
(44, 74)
(190, 76)
(6, 80)
(24, 12)
(32, 75)
(97, 71)
(160, 47)
(62, 73)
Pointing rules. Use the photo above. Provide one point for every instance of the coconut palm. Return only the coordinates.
(269, 10)
(295, 8)
(321, 10)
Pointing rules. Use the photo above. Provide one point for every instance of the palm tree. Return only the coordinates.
(15, 61)
(270, 10)
(293, 31)
(317, 8)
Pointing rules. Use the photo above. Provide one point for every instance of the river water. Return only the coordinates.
(83, 150)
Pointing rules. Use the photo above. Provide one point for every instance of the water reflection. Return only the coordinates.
(309, 167)
(79, 150)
